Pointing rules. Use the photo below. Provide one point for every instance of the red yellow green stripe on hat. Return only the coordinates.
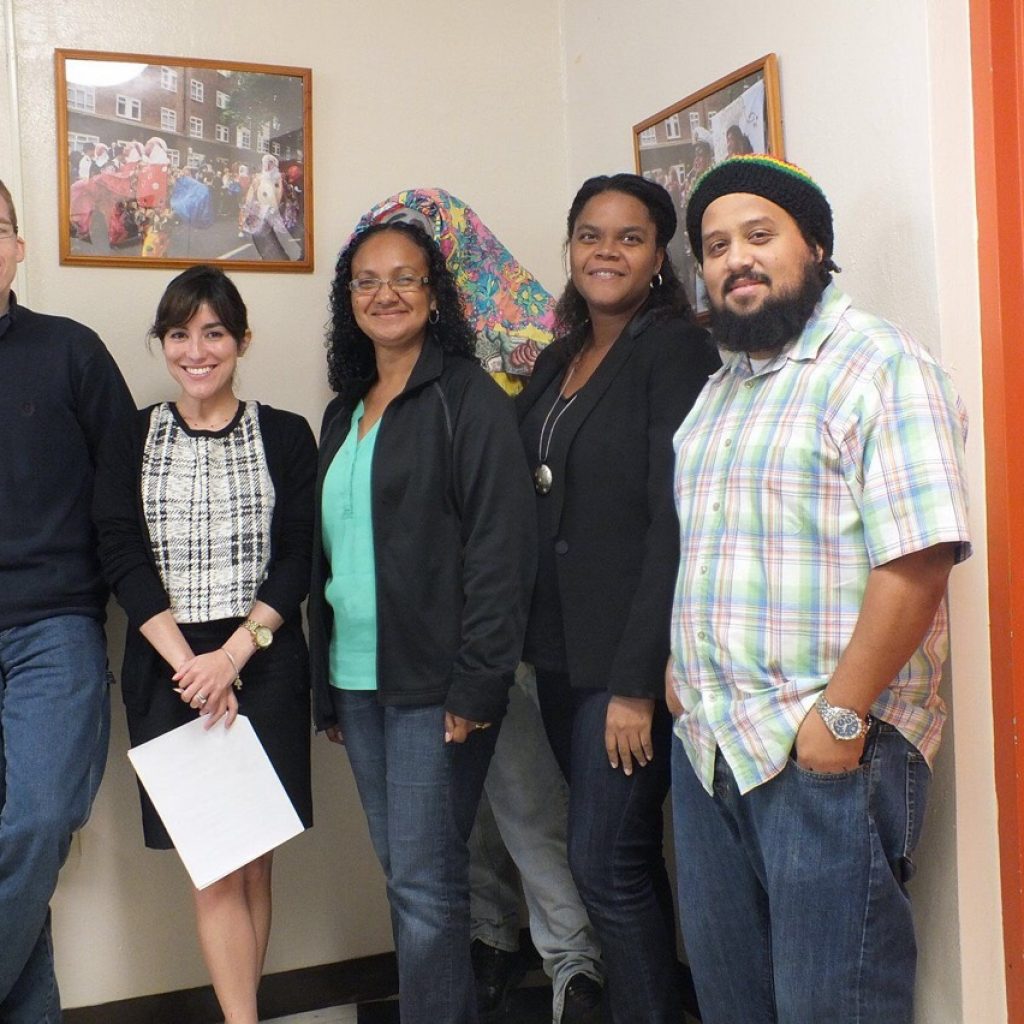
(784, 184)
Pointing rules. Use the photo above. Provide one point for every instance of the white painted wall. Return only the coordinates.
(876, 103)
(406, 93)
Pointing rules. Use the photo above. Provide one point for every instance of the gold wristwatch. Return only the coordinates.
(262, 636)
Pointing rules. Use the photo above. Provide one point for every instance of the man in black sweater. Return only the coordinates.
(61, 395)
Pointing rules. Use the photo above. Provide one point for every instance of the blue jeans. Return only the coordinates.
(521, 823)
(54, 727)
(420, 796)
(615, 851)
(792, 896)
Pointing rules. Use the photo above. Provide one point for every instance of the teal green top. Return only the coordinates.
(348, 543)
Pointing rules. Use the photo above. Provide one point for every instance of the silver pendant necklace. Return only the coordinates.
(543, 478)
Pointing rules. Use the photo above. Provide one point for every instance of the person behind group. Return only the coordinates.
(507, 308)
(205, 513)
(596, 421)
(422, 565)
(521, 818)
(820, 489)
(61, 397)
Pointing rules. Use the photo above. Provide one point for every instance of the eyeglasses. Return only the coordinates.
(7, 231)
(402, 283)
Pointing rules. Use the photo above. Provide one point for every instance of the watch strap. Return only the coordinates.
(832, 714)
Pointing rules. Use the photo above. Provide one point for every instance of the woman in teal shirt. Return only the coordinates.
(425, 546)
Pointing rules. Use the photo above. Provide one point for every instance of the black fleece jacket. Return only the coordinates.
(454, 539)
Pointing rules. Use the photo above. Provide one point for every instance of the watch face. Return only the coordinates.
(846, 726)
(262, 636)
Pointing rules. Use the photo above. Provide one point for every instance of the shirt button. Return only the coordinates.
(749, 384)
(717, 505)
(703, 570)
(701, 636)
(728, 442)
(561, 547)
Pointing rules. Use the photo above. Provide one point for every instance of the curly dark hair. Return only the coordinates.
(669, 297)
(351, 362)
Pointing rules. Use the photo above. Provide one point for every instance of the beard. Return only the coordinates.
(778, 320)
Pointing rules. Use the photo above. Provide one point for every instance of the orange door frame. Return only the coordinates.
(997, 54)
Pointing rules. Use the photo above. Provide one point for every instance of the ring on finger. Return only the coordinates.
(202, 700)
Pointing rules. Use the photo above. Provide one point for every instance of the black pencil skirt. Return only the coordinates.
(274, 697)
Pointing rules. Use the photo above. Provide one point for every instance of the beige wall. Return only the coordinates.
(417, 93)
(876, 102)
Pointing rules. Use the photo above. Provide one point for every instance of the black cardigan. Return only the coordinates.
(127, 556)
(453, 538)
(616, 541)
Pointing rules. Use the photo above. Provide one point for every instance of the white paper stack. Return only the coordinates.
(218, 795)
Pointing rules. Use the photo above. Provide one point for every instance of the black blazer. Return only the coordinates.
(617, 537)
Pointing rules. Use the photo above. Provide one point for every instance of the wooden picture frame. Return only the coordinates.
(741, 112)
(170, 161)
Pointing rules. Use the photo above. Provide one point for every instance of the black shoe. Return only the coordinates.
(583, 1000)
(497, 973)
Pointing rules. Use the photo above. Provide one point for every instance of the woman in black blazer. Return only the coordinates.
(597, 420)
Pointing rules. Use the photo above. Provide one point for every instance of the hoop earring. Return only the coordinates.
(656, 281)
(435, 316)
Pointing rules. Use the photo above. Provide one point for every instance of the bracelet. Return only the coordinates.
(237, 681)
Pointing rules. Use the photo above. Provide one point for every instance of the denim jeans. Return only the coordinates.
(420, 797)
(54, 727)
(521, 824)
(615, 851)
(792, 896)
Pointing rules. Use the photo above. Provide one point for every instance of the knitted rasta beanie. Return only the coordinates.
(784, 184)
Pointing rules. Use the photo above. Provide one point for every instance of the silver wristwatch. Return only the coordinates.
(843, 723)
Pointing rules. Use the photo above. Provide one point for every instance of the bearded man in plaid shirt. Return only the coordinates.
(820, 490)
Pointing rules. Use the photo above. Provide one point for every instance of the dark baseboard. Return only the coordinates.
(309, 988)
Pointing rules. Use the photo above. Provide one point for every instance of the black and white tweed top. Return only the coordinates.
(208, 501)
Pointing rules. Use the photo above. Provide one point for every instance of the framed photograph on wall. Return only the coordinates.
(740, 113)
(171, 161)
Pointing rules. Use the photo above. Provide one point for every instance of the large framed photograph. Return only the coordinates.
(167, 162)
(740, 113)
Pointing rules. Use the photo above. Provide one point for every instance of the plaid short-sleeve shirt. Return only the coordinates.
(844, 452)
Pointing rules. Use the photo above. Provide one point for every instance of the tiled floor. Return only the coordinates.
(335, 1015)
(529, 1004)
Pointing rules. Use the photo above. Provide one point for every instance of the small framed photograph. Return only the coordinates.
(170, 161)
(740, 113)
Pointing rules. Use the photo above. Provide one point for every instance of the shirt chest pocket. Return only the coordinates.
(781, 480)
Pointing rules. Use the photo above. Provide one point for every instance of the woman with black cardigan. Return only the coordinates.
(205, 520)
(597, 420)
